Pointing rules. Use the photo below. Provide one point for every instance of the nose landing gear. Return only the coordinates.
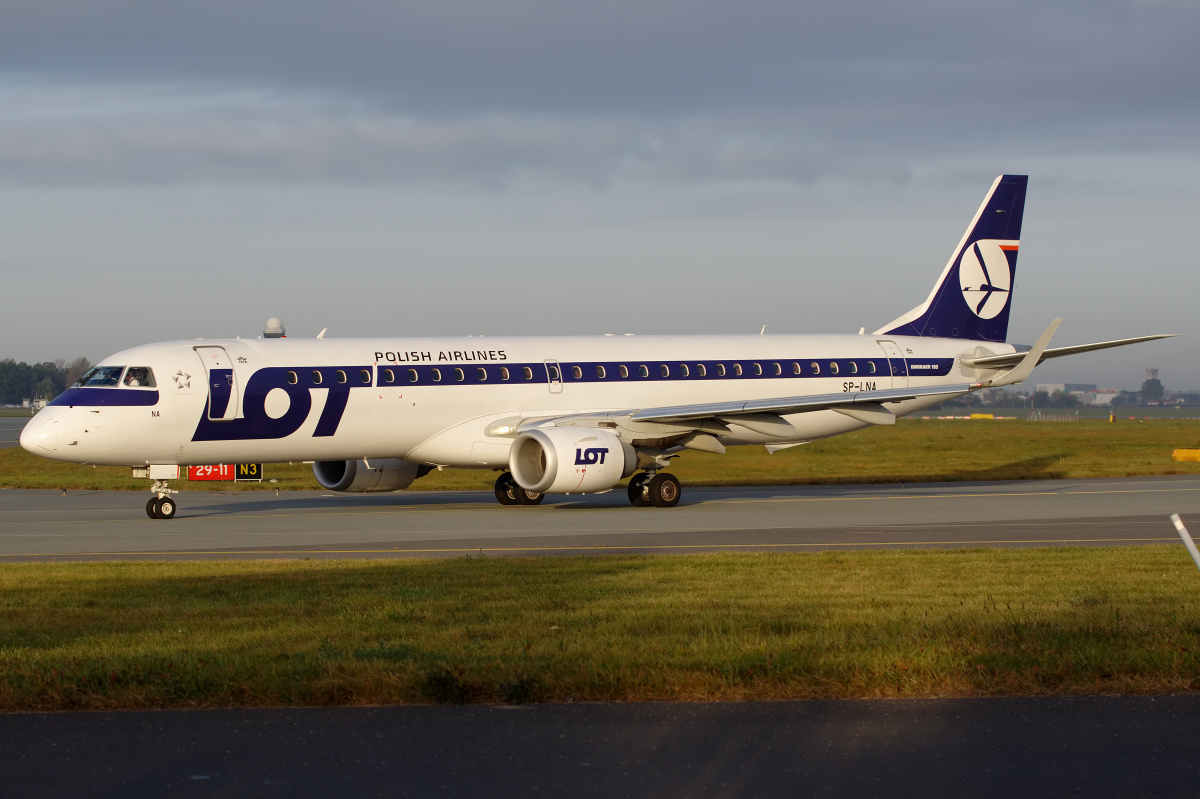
(161, 506)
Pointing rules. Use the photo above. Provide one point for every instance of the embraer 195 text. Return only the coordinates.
(555, 415)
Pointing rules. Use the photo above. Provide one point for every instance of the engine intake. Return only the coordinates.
(570, 460)
(356, 477)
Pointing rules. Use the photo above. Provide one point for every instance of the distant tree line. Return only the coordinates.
(23, 381)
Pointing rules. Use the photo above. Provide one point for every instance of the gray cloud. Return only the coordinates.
(376, 91)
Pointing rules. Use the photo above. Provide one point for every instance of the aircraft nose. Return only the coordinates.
(41, 434)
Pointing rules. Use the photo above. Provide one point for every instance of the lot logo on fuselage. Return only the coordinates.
(586, 457)
(289, 415)
(985, 275)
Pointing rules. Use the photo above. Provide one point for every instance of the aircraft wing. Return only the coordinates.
(864, 405)
(1001, 361)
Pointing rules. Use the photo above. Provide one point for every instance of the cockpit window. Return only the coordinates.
(102, 376)
(139, 377)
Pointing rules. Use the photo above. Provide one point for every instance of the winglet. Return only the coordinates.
(1025, 367)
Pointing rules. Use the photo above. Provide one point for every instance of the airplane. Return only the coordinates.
(554, 415)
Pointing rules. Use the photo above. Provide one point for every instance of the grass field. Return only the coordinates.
(911, 451)
(624, 628)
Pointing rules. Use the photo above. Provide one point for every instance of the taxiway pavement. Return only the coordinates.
(81, 525)
(10, 429)
(1020, 746)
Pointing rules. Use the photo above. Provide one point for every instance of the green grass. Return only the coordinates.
(911, 451)
(621, 628)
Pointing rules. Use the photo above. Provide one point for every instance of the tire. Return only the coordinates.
(506, 489)
(152, 507)
(527, 497)
(665, 490)
(637, 491)
(166, 508)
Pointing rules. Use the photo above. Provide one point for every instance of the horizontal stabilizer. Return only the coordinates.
(1028, 361)
(1001, 361)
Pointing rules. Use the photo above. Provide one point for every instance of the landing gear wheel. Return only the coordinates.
(152, 507)
(527, 497)
(166, 508)
(506, 489)
(637, 491)
(665, 490)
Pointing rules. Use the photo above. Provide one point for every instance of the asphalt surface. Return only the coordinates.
(10, 429)
(1101, 746)
(1098, 746)
(56, 525)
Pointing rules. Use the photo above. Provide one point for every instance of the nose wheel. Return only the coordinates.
(161, 506)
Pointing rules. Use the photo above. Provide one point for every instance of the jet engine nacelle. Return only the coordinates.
(570, 460)
(357, 477)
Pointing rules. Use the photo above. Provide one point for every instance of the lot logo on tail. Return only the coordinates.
(985, 275)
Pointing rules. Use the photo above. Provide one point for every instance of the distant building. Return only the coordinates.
(1103, 396)
(1050, 388)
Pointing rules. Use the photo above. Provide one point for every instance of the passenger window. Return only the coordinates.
(816, 368)
(341, 376)
(643, 370)
(387, 376)
(412, 376)
(527, 372)
(577, 372)
(503, 372)
(102, 376)
(854, 367)
(316, 376)
(664, 370)
(458, 374)
(365, 376)
(700, 370)
(737, 369)
(553, 370)
(870, 367)
(757, 369)
(684, 369)
(139, 377)
(292, 378)
(436, 374)
(778, 369)
(833, 367)
(600, 372)
(481, 373)
(623, 370)
(720, 370)
(795, 368)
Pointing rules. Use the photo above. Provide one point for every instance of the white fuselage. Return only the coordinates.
(272, 400)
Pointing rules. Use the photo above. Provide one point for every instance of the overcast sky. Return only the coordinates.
(174, 170)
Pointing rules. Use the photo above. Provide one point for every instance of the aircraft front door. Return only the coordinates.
(897, 366)
(222, 383)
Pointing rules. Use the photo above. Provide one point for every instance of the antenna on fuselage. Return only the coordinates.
(274, 328)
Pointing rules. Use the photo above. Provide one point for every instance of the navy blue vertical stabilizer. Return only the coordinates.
(971, 299)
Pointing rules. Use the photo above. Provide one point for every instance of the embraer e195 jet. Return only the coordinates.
(554, 415)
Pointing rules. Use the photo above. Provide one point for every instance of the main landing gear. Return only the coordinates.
(661, 490)
(658, 490)
(161, 506)
(509, 493)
